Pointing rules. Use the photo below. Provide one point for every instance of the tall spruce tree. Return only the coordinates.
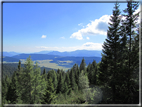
(25, 84)
(132, 59)
(38, 86)
(109, 67)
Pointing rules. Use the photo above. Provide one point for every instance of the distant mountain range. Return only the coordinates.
(10, 54)
(54, 58)
(77, 53)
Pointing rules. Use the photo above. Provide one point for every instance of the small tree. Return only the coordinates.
(83, 81)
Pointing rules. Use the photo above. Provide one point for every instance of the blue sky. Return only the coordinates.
(34, 27)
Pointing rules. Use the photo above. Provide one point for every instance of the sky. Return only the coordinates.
(34, 27)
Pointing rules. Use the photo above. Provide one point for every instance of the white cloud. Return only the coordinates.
(92, 46)
(77, 35)
(80, 24)
(43, 36)
(87, 38)
(96, 27)
(63, 37)
(86, 46)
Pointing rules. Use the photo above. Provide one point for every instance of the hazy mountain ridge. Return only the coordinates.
(10, 54)
(64, 59)
(77, 53)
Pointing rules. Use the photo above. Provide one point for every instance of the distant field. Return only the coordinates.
(46, 63)
(52, 61)
(9, 62)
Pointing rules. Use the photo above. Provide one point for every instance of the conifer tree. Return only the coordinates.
(131, 58)
(73, 82)
(109, 65)
(25, 87)
(75, 70)
(44, 75)
(67, 80)
(53, 75)
(65, 88)
(44, 71)
(60, 85)
(5, 85)
(49, 96)
(11, 94)
(82, 65)
(83, 81)
(19, 65)
(38, 86)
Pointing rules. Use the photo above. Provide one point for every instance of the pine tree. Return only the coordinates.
(44, 75)
(5, 85)
(60, 85)
(38, 86)
(131, 62)
(25, 87)
(73, 82)
(18, 83)
(11, 94)
(53, 75)
(83, 81)
(82, 65)
(76, 72)
(67, 80)
(19, 65)
(109, 66)
(49, 96)
(44, 71)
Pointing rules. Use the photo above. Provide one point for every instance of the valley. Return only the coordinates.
(55, 60)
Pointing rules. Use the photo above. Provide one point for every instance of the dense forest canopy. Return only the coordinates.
(114, 80)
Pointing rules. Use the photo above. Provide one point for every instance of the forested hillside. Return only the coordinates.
(9, 68)
(114, 80)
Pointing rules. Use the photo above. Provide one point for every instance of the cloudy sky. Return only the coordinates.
(34, 27)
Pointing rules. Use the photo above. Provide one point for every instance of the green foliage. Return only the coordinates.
(11, 94)
(131, 58)
(73, 82)
(38, 86)
(53, 75)
(82, 65)
(75, 97)
(83, 81)
(5, 85)
(49, 96)
(109, 66)
(61, 84)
